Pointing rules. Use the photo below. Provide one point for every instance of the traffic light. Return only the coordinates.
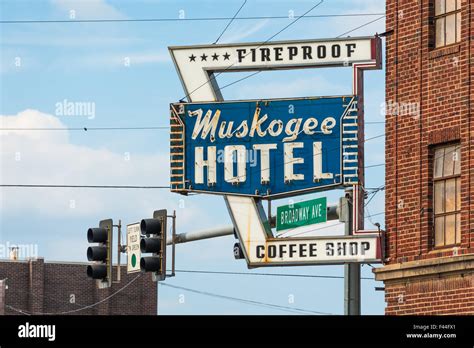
(154, 241)
(101, 255)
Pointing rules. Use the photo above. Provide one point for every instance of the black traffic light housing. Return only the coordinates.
(154, 241)
(100, 255)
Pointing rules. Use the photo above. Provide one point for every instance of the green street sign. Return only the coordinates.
(302, 214)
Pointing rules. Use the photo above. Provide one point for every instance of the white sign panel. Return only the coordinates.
(324, 250)
(260, 248)
(195, 64)
(133, 248)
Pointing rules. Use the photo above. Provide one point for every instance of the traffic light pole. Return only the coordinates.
(119, 249)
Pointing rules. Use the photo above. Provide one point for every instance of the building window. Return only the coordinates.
(447, 195)
(447, 22)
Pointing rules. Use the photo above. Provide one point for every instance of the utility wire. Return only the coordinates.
(250, 302)
(84, 186)
(267, 274)
(307, 156)
(305, 15)
(241, 79)
(375, 137)
(198, 19)
(230, 22)
(361, 26)
(374, 165)
(309, 16)
(82, 308)
(154, 187)
(374, 193)
(214, 76)
(106, 186)
(377, 214)
(85, 128)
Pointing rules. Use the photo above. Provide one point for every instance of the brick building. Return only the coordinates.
(35, 286)
(429, 159)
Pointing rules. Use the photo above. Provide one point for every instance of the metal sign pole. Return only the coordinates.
(351, 270)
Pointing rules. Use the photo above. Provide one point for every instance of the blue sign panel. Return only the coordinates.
(267, 148)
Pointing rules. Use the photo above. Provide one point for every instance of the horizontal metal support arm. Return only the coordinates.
(203, 234)
(333, 214)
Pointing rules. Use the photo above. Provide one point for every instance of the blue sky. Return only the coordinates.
(45, 64)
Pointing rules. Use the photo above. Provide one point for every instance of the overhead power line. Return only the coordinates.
(374, 193)
(241, 79)
(307, 16)
(377, 214)
(84, 186)
(147, 187)
(361, 26)
(267, 274)
(375, 137)
(197, 19)
(78, 309)
(230, 22)
(214, 76)
(375, 165)
(108, 186)
(85, 129)
(249, 302)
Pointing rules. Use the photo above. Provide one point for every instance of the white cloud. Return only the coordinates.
(242, 32)
(88, 9)
(47, 157)
(33, 119)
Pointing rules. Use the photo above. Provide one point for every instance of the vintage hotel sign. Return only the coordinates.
(266, 148)
(247, 150)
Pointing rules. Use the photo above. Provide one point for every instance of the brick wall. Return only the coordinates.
(450, 295)
(52, 287)
(439, 82)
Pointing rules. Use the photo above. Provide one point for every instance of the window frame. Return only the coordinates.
(444, 15)
(457, 190)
